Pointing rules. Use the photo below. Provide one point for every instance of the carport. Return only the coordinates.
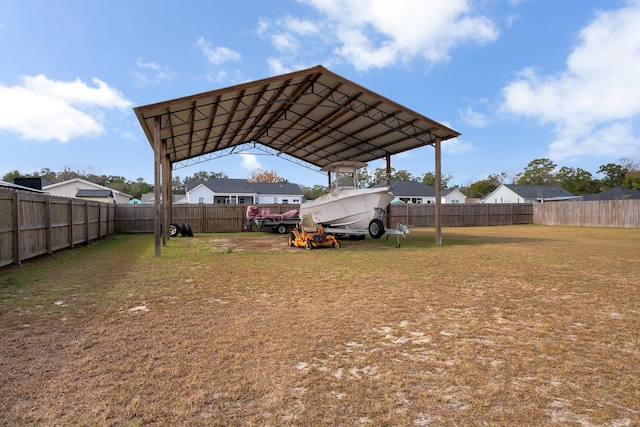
(311, 117)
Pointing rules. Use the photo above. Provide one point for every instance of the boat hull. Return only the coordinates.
(352, 209)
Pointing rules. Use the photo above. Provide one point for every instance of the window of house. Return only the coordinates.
(201, 200)
(285, 201)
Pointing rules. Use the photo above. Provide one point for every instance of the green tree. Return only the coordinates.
(380, 175)
(138, 188)
(429, 178)
(205, 176)
(538, 172)
(178, 186)
(311, 193)
(10, 176)
(631, 180)
(613, 175)
(481, 188)
(577, 181)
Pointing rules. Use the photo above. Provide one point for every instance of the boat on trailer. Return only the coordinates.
(348, 208)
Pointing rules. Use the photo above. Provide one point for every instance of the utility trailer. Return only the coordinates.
(262, 219)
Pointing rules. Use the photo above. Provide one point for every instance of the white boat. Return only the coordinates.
(348, 206)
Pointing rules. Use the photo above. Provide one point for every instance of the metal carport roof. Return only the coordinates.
(313, 117)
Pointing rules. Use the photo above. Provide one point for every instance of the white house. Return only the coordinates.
(241, 191)
(417, 192)
(514, 193)
(453, 195)
(72, 187)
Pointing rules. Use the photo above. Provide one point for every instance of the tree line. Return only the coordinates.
(625, 174)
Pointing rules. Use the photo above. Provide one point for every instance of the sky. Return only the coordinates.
(519, 79)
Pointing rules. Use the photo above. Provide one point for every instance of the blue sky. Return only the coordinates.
(520, 79)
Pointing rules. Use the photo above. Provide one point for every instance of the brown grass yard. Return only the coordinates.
(517, 325)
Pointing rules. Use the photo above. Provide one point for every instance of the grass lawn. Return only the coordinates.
(501, 326)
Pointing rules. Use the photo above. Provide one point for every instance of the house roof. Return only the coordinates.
(32, 182)
(93, 184)
(11, 185)
(614, 194)
(243, 186)
(401, 188)
(94, 193)
(311, 116)
(538, 191)
(451, 190)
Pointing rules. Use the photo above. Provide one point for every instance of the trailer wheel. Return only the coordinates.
(174, 229)
(376, 228)
(292, 238)
(280, 229)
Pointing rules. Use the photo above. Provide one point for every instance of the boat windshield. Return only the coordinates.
(344, 180)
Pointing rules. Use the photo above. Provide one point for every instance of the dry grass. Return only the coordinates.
(518, 325)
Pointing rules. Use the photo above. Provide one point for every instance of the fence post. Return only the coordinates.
(71, 237)
(49, 229)
(16, 228)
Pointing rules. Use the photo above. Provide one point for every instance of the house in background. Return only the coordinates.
(411, 191)
(176, 199)
(514, 193)
(241, 191)
(417, 192)
(71, 187)
(453, 195)
(13, 186)
(612, 194)
(31, 182)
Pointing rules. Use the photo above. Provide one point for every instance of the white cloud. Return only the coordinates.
(44, 109)
(456, 146)
(276, 66)
(217, 55)
(250, 161)
(474, 118)
(593, 102)
(151, 73)
(380, 33)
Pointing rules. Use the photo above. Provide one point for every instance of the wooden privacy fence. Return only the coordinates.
(202, 218)
(231, 218)
(460, 215)
(33, 224)
(596, 213)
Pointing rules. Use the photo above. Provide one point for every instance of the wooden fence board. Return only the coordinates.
(596, 213)
(33, 224)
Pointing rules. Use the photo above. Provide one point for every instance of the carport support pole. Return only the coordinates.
(157, 217)
(437, 216)
(166, 195)
(168, 189)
